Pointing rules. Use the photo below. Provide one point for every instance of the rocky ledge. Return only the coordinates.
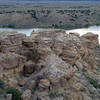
(49, 65)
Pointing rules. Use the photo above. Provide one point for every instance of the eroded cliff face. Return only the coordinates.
(53, 64)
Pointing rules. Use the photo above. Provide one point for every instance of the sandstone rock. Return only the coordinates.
(57, 68)
(12, 61)
(55, 60)
(21, 83)
(92, 39)
(64, 45)
(28, 68)
(11, 64)
(11, 41)
(44, 84)
(27, 42)
(29, 49)
(75, 33)
(79, 65)
(60, 52)
(26, 95)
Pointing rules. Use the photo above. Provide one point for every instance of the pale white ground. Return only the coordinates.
(24, 31)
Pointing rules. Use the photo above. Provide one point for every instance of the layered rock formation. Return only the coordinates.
(53, 64)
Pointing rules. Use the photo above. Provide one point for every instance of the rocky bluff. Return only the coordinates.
(51, 65)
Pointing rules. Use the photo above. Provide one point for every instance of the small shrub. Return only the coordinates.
(94, 82)
(1, 92)
(86, 25)
(16, 94)
(56, 26)
(11, 26)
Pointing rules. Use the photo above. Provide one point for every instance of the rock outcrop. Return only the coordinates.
(44, 84)
(26, 95)
(11, 62)
(52, 64)
(11, 41)
(63, 55)
(92, 39)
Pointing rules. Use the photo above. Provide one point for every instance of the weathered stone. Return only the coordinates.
(79, 65)
(26, 95)
(57, 68)
(27, 42)
(28, 68)
(53, 60)
(11, 41)
(44, 84)
(12, 61)
(21, 83)
(92, 39)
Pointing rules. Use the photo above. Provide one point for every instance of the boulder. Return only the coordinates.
(21, 83)
(44, 84)
(26, 95)
(28, 42)
(91, 39)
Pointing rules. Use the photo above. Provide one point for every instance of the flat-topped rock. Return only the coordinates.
(11, 41)
(92, 39)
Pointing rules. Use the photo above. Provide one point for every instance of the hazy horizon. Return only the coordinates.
(42, 0)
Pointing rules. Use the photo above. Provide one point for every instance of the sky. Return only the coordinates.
(49, 0)
(6, 1)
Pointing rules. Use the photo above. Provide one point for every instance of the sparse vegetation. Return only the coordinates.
(86, 25)
(1, 91)
(11, 26)
(71, 15)
(16, 94)
(94, 82)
